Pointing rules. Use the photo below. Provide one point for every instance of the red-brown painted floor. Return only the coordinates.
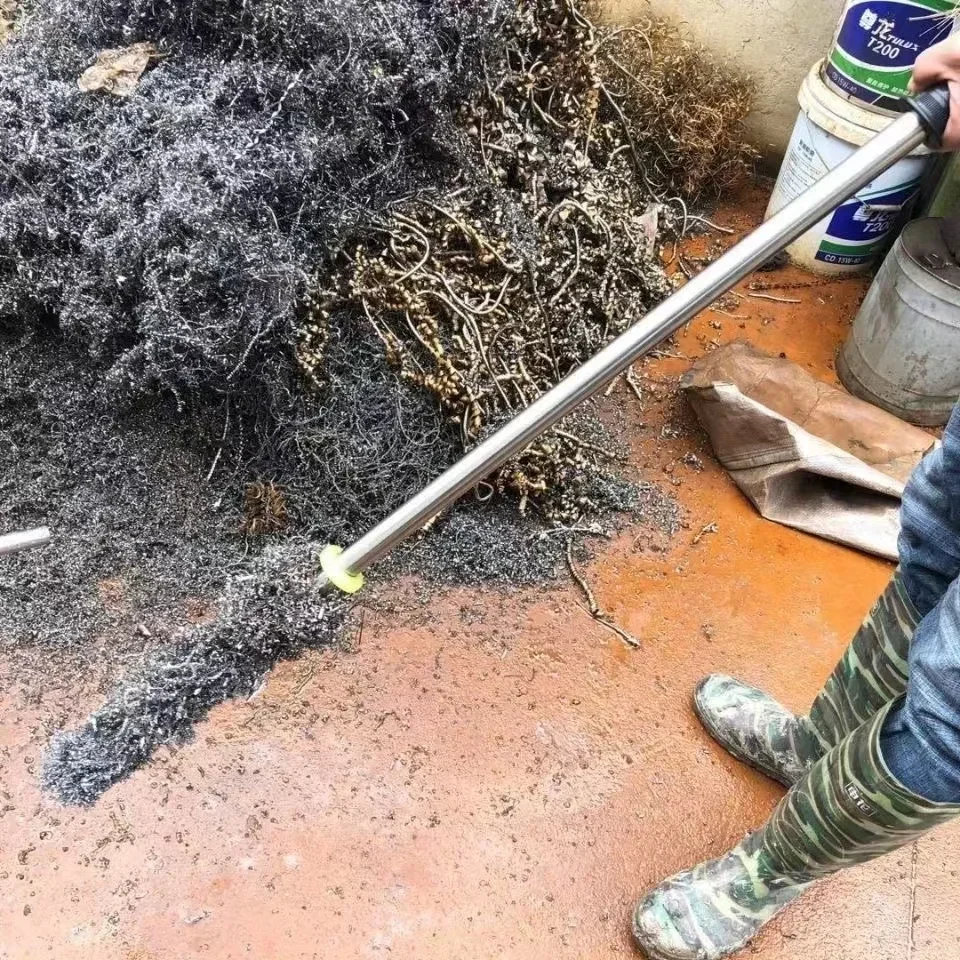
(493, 775)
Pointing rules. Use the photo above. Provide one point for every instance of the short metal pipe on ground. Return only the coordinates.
(24, 540)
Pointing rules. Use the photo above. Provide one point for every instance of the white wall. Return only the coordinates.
(775, 41)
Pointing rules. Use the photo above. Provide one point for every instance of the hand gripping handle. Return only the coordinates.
(933, 108)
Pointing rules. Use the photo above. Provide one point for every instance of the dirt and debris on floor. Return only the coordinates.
(490, 774)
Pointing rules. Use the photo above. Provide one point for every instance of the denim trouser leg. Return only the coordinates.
(930, 522)
(921, 738)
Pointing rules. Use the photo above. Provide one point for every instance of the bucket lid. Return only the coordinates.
(923, 243)
(839, 116)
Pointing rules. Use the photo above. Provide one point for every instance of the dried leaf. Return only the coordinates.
(8, 16)
(118, 71)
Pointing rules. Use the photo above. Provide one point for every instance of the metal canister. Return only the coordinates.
(903, 352)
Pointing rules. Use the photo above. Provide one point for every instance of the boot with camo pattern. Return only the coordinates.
(759, 731)
(846, 810)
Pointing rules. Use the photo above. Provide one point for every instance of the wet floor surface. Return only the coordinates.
(490, 774)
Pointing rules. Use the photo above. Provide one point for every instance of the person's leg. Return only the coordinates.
(890, 780)
(929, 544)
(873, 671)
(921, 738)
(849, 808)
(757, 729)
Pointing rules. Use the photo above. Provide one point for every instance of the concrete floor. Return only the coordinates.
(492, 775)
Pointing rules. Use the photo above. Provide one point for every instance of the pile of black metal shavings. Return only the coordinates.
(149, 515)
(156, 260)
(169, 233)
(139, 534)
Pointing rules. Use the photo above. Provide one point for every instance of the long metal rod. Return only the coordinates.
(892, 144)
(15, 542)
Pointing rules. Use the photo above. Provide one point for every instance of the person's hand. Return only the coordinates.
(942, 62)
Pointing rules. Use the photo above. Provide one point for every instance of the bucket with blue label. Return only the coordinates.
(830, 129)
(877, 44)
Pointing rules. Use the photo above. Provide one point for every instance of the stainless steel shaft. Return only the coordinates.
(24, 540)
(899, 139)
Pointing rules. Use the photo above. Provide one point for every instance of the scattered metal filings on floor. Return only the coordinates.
(272, 613)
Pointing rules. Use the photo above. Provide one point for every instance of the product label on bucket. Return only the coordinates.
(859, 229)
(856, 232)
(878, 43)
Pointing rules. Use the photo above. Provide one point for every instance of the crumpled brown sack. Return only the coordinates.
(806, 454)
(118, 71)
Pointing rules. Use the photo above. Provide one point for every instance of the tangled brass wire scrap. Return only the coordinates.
(264, 509)
(467, 317)
(488, 296)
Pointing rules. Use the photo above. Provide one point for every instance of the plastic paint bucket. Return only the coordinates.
(829, 129)
(877, 44)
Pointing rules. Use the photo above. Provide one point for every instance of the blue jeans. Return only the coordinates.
(921, 738)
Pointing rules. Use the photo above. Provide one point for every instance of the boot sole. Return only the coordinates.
(734, 750)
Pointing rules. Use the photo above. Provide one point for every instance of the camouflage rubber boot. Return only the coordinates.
(848, 809)
(873, 671)
(756, 729)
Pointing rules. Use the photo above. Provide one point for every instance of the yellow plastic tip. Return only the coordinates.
(341, 578)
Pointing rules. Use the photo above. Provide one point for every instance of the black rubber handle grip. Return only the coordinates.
(933, 108)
